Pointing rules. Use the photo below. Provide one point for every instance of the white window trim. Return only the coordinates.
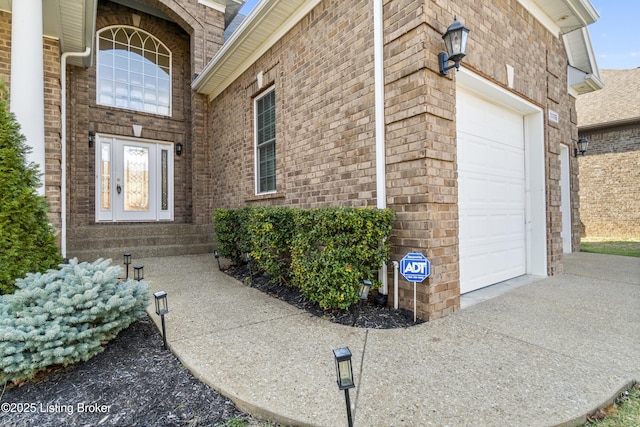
(100, 31)
(256, 160)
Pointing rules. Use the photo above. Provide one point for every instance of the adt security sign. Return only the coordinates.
(415, 267)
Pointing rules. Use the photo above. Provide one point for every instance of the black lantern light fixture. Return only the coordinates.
(581, 146)
(127, 262)
(217, 255)
(455, 40)
(344, 372)
(138, 272)
(162, 308)
(179, 147)
(92, 138)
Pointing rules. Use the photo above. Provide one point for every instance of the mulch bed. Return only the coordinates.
(365, 315)
(135, 382)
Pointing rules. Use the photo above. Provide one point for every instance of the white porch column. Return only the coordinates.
(27, 77)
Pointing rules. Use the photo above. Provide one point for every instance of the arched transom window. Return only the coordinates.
(134, 71)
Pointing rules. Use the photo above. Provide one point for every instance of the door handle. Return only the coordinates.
(118, 189)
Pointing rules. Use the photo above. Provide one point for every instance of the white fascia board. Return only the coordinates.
(213, 5)
(233, 47)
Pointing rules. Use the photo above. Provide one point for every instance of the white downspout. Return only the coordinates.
(381, 179)
(63, 144)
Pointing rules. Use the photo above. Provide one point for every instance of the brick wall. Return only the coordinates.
(610, 183)
(184, 126)
(322, 72)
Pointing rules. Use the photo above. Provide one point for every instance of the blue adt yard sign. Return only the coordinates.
(415, 267)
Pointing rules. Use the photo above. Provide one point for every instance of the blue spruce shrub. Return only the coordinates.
(64, 316)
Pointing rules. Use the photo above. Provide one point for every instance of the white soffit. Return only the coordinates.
(582, 57)
(562, 16)
(70, 21)
(269, 21)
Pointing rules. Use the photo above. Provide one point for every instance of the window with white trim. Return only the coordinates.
(134, 71)
(265, 137)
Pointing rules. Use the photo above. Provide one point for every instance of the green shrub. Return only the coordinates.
(335, 249)
(325, 252)
(231, 232)
(64, 316)
(27, 241)
(270, 231)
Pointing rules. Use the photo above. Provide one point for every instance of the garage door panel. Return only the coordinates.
(492, 191)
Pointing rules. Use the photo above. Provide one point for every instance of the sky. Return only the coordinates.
(614, 43)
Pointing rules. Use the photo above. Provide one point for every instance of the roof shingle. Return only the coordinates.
(618, 101)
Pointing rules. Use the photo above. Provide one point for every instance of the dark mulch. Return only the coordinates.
(135, 382)
(365, 315)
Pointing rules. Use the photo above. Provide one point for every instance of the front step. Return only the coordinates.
(141, 240)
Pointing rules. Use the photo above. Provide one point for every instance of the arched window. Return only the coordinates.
(134, 71)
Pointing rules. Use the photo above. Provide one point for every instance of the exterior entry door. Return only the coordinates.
(134, 180)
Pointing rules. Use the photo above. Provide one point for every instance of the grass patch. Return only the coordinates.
(623, 247)
(625, 412)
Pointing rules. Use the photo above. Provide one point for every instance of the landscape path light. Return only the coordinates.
(217, 255)
(344, 372)
(138, 272)
(162, 308)
(127, 261)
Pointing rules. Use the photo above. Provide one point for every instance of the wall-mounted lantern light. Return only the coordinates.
(127, 261)
(344, 372)
(581, 146)
(179, 147)
(92, 138)
(162, 308)
(138, 272)
(455, 40)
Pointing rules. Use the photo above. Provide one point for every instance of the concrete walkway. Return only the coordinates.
(542, 354)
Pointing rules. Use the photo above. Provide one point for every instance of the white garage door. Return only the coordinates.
(491, 189)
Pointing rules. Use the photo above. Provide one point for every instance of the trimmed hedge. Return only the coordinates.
(325, 252)
(64, 316)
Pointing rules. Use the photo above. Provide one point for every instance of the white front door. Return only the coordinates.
(134, 179)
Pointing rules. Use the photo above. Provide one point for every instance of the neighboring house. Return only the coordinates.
(610, 169)
(309, 103)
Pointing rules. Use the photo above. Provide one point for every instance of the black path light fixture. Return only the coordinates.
(217, 255)
(581, 146)
(162, 308)
(248, 257)
(363, 295)
(455, 40)
(344, 372)
(127, 262)
(138, 272)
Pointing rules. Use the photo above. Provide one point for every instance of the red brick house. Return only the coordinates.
(311, 103)
(610, 168)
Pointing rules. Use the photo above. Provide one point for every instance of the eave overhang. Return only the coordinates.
(269, 21)
(72, 22)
